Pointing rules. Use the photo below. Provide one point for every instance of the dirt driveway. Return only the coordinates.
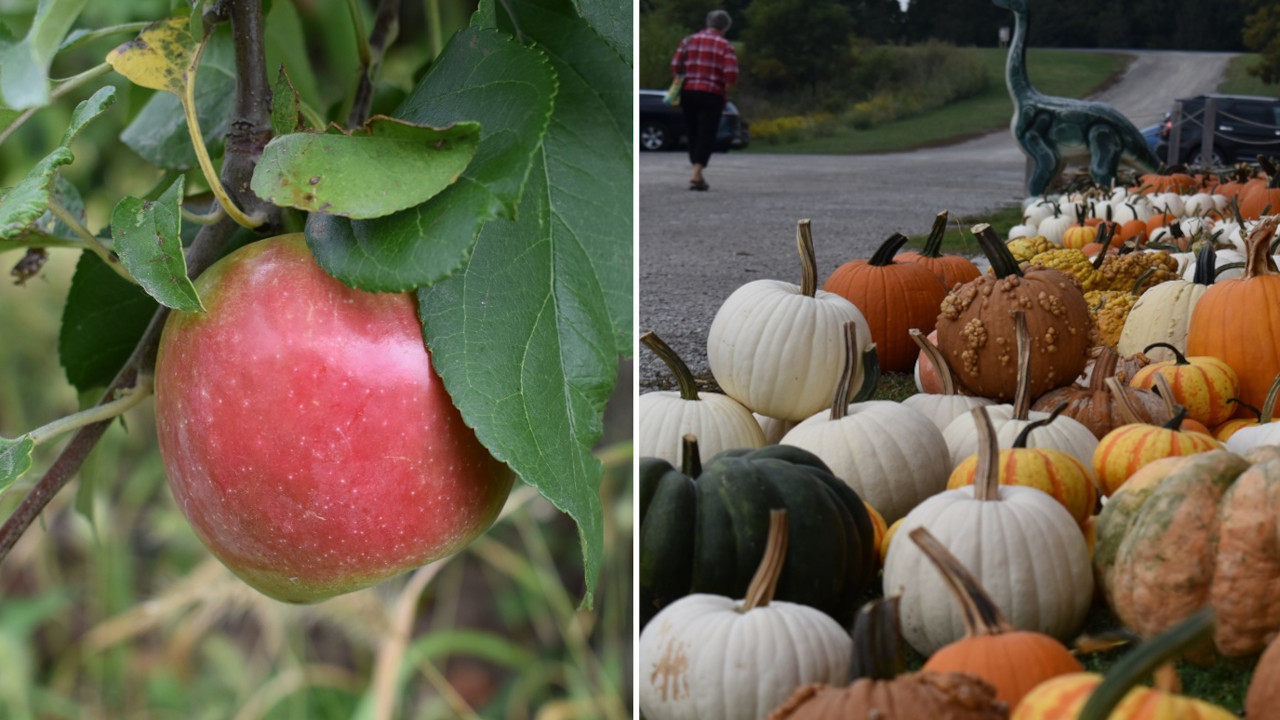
(696, 248)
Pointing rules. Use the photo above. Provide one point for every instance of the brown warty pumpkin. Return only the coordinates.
(1095, 407)
(976, 331)
(894, 297)
(880, 692)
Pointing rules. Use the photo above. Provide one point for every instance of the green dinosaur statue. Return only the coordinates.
(1053, 131)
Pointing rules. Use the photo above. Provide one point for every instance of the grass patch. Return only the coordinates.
(1057, 72)
(958, 239)
(1238, 81)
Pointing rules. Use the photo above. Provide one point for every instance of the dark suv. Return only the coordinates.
(662, 126)
(1245, 126)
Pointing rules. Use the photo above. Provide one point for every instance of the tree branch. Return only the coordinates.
(249, 133)
(386, 26)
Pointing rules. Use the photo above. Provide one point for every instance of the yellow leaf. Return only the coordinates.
(158, 57)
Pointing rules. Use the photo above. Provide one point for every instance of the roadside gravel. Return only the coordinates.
(695, 248)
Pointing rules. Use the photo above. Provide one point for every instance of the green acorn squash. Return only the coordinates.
(703, 529)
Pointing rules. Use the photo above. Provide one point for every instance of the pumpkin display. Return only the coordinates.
(1012, 660)
(1236, 320)
(976, 332)
(703, 528)
(664, 418)
(1055, 472)
(893, 456)
(1118, 696)
(1205, 533)
(945, 405)
(1023, 546)
(893, 297)
(774, 346)
(1203, 385)
(1124, 450)
(1138, 272)
(1094, 405)
(949, 267)
(1163, 313)
(961, 434)
(774, 647)
(880, 690)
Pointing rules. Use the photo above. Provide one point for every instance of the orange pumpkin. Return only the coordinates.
(878, 528)
(1123, 451)
(1203, 385)
(1258, 199)
(1079, 235)
(1012, 660)
(949, 268)
(1238, 320)
(894, 297)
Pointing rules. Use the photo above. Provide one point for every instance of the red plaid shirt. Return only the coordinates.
(707, 62)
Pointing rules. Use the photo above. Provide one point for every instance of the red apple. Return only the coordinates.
(305, 434)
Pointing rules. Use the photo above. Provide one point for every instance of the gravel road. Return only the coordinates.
(696, 248)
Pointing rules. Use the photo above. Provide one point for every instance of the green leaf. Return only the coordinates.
(15, 459)
(612, 20)
(284, 106)
(528, 334)
(589, 148)
(25, 203)
(159, 131)
(24, 66)
(484, 76)
(388, 166)
(103, 320)
(148, 238)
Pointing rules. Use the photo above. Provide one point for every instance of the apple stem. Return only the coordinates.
(125, 399)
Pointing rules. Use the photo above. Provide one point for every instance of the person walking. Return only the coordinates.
(709, 67)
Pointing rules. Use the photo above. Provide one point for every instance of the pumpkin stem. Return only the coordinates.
(808, 260)
(1099, 259)
(690, 461)
(935, 356)
(1123, 403)
(1020, 442)
(1269, 403)
(877, 641)
(884, 254)
(1003, 264)
(1258, 247)
(844, 386)
(980, 614)
(933, 243)
(1022, 391)
(1178, 357)
(1104, 366)
(765, 582)
(1140, 663)
(1247, 406)
(677, 366)
(870, 375)
(1142, 279)
(1160, 384)
(986, 481)
(1229, 266)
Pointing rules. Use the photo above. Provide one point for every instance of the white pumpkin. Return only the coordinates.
(1023, 230)
(1199, 204)
(1037, 209)
(1161, 314)
(707, 657)
(665, 417)
(891, 455)
(773, 428)
(1265, 433)
(1023, 546)
(1053, 227)
(775, 346)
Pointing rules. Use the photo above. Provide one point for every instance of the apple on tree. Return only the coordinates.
(305, 434)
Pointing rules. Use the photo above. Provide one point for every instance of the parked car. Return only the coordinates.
(662, 126)
(1245, 126)
(1153, 134)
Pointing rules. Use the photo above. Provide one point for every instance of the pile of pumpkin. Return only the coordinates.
(1035, 464)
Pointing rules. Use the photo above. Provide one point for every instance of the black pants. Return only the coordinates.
(701, 121)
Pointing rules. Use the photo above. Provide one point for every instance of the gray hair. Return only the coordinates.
(719, 19)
